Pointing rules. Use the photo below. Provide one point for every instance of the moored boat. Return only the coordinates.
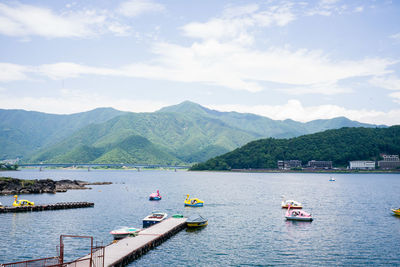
(153, 218)
(196, 221)
(298, 215)
(193, 202)
(124, 232)
(332, 179)
(155, 196)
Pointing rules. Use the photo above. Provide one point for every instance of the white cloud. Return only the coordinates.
(396, 96)
(294, 110)
(327, 8)
(135, 8)
(359, 9)
(27, 20)
(65, 70)
(388, 82)
(73, 101)
(12, 72)
(231, 66)
(236, 22)
(396, 37)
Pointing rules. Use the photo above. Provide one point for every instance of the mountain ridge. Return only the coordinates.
(186, 132)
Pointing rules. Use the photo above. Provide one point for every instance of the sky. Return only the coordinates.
(300, 60)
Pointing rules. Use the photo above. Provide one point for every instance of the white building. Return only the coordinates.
(362, 165)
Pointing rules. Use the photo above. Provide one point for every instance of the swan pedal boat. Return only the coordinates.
(153, 218)
(292, 203)
(155, 196)
(196, 221)
(124, 232)
(22, 202)
(193, 202)
(298, 215)
(396, 212)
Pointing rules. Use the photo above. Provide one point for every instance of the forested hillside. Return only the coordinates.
(339, 146)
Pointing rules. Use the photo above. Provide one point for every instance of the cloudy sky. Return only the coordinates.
(302, 60)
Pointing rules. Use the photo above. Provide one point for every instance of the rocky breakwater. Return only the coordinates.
(17, 186)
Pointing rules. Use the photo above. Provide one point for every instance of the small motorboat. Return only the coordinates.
(155, 196)
(124, 232)
(332, 179)
(153, 218)
(193, 202)
(294, 204)
(298, 215)
(196, 221)
(396, 212)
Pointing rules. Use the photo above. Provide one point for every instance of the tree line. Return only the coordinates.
(339, 146)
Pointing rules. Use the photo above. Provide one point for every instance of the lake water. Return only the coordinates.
(353, 224)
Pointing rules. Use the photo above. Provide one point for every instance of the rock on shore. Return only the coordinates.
(17, 186)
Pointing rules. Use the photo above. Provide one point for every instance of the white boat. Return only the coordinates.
(124, 232)
(293, 204)
(153, 218)
(298, 215)
(332, 179)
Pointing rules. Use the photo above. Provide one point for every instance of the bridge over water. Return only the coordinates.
(109, 165)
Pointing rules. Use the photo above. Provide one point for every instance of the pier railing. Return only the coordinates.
(94, 259)
(45, 262)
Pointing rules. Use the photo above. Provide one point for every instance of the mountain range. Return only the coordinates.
(183, 133)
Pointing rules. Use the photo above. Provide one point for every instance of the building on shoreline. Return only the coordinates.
(289, 164)
(362, 165)
(389, 162)
(319, 164)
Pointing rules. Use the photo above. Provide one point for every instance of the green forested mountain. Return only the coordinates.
(340, 146)
(24, 132)
(180, 138)
(263, 126)
(183, 133)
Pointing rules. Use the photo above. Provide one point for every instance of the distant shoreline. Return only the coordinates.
(315, 171)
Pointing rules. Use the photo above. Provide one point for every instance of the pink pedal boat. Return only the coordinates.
(297, 215)
(155, 196)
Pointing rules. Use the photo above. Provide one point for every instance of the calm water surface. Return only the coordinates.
(353, 224)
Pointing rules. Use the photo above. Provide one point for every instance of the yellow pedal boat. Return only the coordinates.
(22, 202)
(193, 202)
(396, 212)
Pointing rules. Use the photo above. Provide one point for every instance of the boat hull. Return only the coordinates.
(194, 205)
(122, 233)
(396, 212)
(148, 223)
(304, 219)
(196, 224)
(154, 198)
(292, 207)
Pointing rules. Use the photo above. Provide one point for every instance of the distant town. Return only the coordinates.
(389, 162)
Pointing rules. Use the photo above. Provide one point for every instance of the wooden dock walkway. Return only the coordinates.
(130, 248)
(56, 206)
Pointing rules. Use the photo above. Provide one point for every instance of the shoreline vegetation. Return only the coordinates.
(337, 146)
(12, 186)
